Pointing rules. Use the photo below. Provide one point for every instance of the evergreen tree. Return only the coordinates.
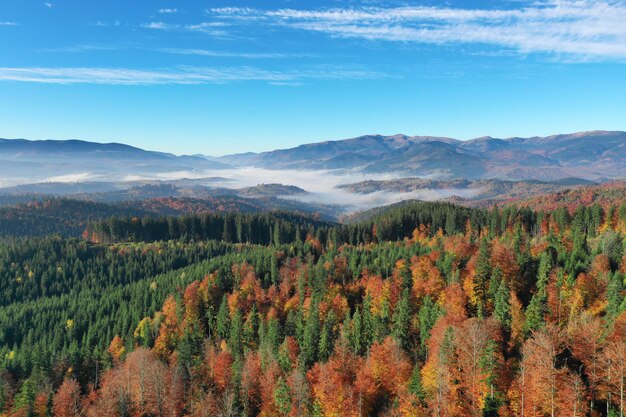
(481, 279)
(616, 299)
(282, 397)
(223, 319)
(25, 399)
(370, 326)
(536, 310)
(415, 383)
(502, 307)
(356, 329)
(326, 342)
(235, 340)
(401, 319)
(428, 314)
(311, 337)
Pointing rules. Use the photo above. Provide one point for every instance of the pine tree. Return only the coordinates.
(25, 399)
(235, 340)
(415, 383)
(282, 397)
(536, 310)
(502, 307)
(326, 342)
(614, 295)
(369, 324)
(401, 318)
(223, 319)
(356, 339)
(428, 314)
(405, 273)
(272, 336)
(482, 276)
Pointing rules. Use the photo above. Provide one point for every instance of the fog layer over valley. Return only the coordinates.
(333, 178)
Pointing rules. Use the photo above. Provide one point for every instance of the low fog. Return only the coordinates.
(322, 186)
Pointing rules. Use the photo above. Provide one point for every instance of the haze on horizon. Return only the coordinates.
(231, 77)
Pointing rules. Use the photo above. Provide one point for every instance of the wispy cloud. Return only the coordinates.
(158, 25)
(106, 24)
(168, 11)
(581, 28)
(49, 5)
(228, 54)
(211, 28)
(177, 75)
(83, 47)
(8, 24)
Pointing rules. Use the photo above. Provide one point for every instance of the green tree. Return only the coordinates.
(282, 397)
(428, 314)
(502, 307)
(415, 383)
(537, 308)
(401, 319)
(223, 319)
(235, 340)
(25, 399)
(482, 276)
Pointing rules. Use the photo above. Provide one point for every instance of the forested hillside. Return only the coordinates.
(603, 195)
(57, 216)
(422, 309)
(68, 217)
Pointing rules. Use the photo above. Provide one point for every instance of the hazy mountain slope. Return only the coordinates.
(593, 155)
(355, 152)
(590, 155)
(466, 192)
(431, 159)
(24, 161)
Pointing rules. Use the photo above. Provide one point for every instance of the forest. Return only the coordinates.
(420, 309)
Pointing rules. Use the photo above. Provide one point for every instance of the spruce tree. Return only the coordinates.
(401, 318)
(223, 319)
(482, 276)
(502, 307)
(235, 340)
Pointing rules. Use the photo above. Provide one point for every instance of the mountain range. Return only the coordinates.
(25, 161)
(331, 178)
(594, 155)
(591, 155)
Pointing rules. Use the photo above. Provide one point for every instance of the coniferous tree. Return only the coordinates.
(502, 307)
(401, 318)
(235, 340)
(311, 337)
(223, 319)
(536, 310)
(483, 274)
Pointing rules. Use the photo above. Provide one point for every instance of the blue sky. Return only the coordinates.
(218, 77)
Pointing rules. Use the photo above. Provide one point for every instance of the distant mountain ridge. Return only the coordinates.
(591, 155)
(26, 161)
(594, 155)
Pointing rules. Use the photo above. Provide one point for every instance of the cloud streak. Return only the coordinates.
(582, 28)
(227, 54)
(209, 28)
(177, 75)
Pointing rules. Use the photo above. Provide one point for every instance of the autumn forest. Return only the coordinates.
(424, 309)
